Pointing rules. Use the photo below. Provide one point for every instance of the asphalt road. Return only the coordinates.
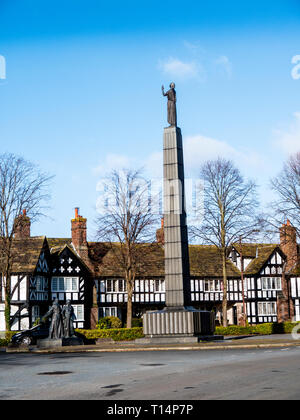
(175, 375)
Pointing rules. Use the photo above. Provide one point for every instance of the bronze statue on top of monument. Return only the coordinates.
(172, 113)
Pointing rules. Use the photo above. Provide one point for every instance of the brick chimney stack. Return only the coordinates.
(79, 241)
(22, 226)
(78, 228)
(288, 244)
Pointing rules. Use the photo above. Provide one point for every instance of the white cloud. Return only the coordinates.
(111, 162)
(198, 149)
(2, 67)
(181, 70)
(288, 140)
(225, 65)
(296, 69)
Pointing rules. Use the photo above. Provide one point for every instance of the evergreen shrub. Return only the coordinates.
(109, 322)
(117, 334)
(260, 329)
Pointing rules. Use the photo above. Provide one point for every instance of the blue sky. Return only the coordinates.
(82, 89)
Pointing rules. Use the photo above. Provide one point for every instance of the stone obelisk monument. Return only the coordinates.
(178, 321)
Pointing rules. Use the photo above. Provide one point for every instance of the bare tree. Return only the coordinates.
(22, 187)
(230, 211)
(126, 223)
(287, 188)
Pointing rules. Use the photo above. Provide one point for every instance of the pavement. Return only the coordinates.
(229, 343)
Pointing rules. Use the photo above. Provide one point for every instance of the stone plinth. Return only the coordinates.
(61, 342)
(187, 324)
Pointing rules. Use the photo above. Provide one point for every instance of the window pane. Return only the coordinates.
(74, 285)
(279, 283)
(115, 285)
(67, 284)
(54, 284)
(61, 284)
(79, 313)
(108, 285)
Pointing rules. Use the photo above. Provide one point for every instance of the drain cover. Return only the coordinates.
(59, 372)
(152, 364)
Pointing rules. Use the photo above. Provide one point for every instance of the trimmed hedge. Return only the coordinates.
(129, 334)
(109, 322)
(260, 329)
(4, 342)
(8, 335)
(117, 334)
(136, 322)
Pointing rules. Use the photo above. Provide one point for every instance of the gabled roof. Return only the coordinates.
(57, 251)
(295, 271)
(55, 244)
(26, 253)
(249, 250)
(264, 254)
(205, 260)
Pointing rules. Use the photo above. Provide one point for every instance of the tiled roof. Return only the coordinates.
(106, 260)
(206, 261)
(26, 253)
(249, 250)
(295, 271)
(55, 244)
(264, 254)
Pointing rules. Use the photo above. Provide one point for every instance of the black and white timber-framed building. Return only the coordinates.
(87, 274)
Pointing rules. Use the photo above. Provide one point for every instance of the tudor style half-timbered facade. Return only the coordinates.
(42, 270)
(29, 283)
(71, 280)
(88, 274)
(264, 265)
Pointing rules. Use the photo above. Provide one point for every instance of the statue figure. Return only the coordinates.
(68, 318)
(172, 114)
(56, 327)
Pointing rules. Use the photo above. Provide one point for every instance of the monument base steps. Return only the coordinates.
(61, 342)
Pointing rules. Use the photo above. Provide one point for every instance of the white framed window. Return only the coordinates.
(212, 285)
(108, 311)
(271, 283)
(267, 308)
(65, 284)
(79, 312)
(116, 285)
(35, 313)
(156, 286)
(40, 284)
